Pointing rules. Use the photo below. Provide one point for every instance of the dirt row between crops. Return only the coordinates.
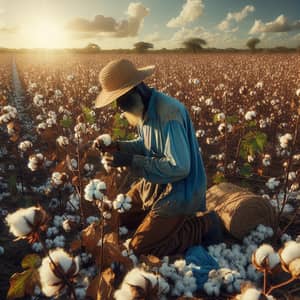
(14, 251)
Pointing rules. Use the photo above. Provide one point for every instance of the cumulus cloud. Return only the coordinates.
(108, 26)
(185, 33)
(153, 37)
(235, 17)
(213, 38)
(191, 10)
(280, 24)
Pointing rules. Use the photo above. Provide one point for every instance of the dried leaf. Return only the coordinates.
(22, 284)
(91, 236)
(112, 253)
(101, 288)
(31, 261)
(75, 245)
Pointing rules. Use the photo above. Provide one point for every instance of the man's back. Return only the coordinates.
(169, 136)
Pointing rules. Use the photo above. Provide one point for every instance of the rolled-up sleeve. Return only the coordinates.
(176, 162)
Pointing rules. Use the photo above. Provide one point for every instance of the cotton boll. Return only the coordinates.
(272, 183)
(250, 115)
(274, 260)
(122, 203)
(123, 293)
(292, 176)
(123, 230)
(50, 282)
(166, 270)
(212, 288)
(284, 140)
(94, 190)
(290, 252)
(263, 252)
(136, 277)
(25, 220)
(251, 294)
(294, 267)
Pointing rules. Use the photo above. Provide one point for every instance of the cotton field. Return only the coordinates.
(60, 202)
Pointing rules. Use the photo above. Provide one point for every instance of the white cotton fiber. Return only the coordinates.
(290, 252)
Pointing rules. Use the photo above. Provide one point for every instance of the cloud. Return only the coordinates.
(185, 33)
(108, 26)
(99, 23)
(213, 38)
(235, 17)
(280, 24)
(191, 10)
(153, 37)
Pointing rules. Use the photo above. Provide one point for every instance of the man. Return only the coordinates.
(168, 201)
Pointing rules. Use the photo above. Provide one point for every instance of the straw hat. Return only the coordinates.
(117, 78)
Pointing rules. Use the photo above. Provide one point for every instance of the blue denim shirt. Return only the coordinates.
(167, 152)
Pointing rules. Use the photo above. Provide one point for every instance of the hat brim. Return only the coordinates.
(106, 97)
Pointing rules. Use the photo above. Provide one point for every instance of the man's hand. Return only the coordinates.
(118, 159)
(100, 146)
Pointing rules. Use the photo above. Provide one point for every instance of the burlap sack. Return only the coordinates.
(239, 209)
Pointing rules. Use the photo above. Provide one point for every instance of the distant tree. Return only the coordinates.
(142, 46)
(252, 43)
(194, 44)
(91, 47)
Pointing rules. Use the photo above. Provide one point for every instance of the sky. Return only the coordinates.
(165, 23)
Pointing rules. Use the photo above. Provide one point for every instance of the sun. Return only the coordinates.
(44, 33)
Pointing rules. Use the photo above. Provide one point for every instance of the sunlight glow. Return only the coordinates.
(44, 33)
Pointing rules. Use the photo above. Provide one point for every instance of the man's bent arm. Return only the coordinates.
(176, 163)
(135, 146)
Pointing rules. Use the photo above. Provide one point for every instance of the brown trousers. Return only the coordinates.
(158, 235)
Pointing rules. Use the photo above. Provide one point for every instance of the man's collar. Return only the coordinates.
(149, 114)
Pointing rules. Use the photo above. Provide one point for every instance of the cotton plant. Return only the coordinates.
(265, 258)
(180, 275)
(140, 284)
(35, 161)
(59, 178)
(26, 222)
(80, 130)
(266, 160)
(8, 114)
(284, 140)
(25, 146)
(250, 115)
(122, 203)
(57, 272)
(253, 293)
(128, 252)
(290, 258)
(223, 278)
(94, 190)
(272, 183)
(235, 262)
(62, 141)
